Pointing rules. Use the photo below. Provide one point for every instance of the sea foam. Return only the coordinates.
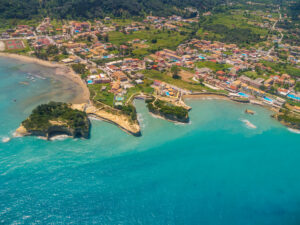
(248, 124)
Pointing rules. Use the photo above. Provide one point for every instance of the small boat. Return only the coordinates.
(248, 111)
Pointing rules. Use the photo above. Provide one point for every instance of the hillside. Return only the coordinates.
(21, 9)
(295, 10)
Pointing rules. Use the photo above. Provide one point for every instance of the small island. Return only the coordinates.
(249, 111)
(167, 110)
(55, 118)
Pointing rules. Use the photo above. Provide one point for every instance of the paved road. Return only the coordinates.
(274, 28)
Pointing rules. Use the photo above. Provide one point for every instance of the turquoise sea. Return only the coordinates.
(215, 170)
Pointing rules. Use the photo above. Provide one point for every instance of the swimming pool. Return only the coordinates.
(167, 93)
(90, 82)
(293, 97)
(243, 95)
(119, 98)
(268, 99)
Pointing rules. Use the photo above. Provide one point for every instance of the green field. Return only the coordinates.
(283, 68)
(140, 88)
(156, 75)
(232, 28)
(104, 97)
(212, 65)
(155, 39)
(12, 23)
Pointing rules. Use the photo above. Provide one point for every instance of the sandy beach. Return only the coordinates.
(205, 96)
(60, 70)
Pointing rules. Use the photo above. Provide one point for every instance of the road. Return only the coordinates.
(274, 28)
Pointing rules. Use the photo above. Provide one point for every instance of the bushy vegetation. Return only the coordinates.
(283, 68)
(213, 65)
(231, 28)
(80, 69)
(287, 117)
(295, 10)
(163, 39)
(41, 117)
(103, 96)
(166, 108)
(128, 110)
(52, 52)
(90, 9)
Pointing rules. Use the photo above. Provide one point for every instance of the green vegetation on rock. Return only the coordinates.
(167, 110)
(57, 118)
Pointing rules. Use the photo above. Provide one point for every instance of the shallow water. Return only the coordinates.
(215, 170)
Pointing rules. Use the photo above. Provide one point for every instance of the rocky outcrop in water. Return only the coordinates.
(55, 118)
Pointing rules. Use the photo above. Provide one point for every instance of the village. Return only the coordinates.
(115, 73)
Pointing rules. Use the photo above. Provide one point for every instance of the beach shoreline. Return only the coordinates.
(205, 96)
(60, 70)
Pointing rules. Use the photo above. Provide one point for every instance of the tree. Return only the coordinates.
(52, 50)
(175, 70)
(106, 38)
(99, 36)
(79, 68)
(64, 50)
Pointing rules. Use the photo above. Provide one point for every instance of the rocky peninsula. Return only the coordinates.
(55, 118)
(167, 110)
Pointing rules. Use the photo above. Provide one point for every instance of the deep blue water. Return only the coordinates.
(215, 170)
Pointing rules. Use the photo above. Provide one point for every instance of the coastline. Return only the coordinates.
(61, 70)
(122, 123)
(120, 120)
(84, 98)
(205, 96)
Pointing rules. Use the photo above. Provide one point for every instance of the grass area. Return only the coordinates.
(156, 39)
(236, 28)
(156, 75)
(252, 74)
(104, 97)
(122, 22)
(144, 88)
(12, 23)
(212, 65)
(283, 68)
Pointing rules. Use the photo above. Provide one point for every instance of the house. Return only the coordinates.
(169, 54)
(282, 91)
(255, 83)
(41, 42)
(119, 75)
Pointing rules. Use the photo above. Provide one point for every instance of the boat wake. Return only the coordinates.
(248, 124)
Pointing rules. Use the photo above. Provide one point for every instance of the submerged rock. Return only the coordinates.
(248, 111)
